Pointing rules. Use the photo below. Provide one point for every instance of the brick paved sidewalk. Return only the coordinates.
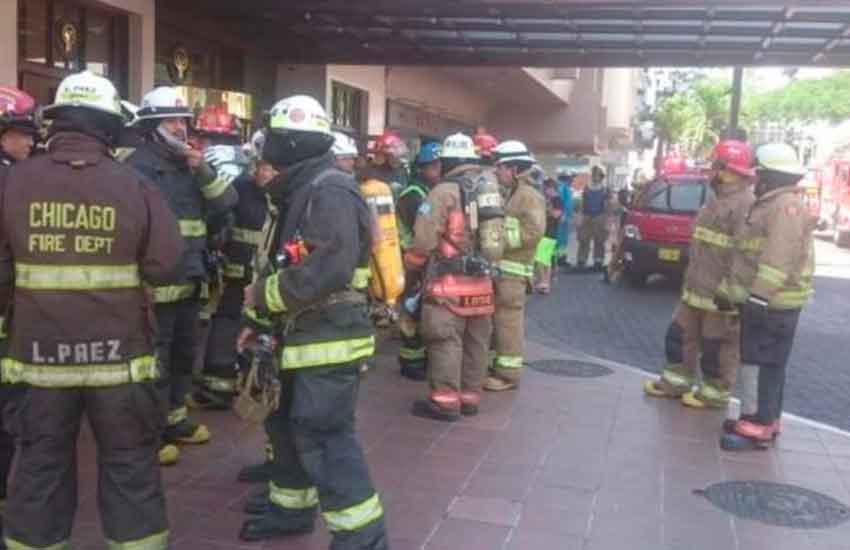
(563, 464)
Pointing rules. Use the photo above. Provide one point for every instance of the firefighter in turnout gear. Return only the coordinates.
(81, 235)
(457, 238)
(194, 192)
(345, 151)
(593, 222)
(705, 331)
(525, 225)
(411, 356)
(251, 216)
(770, 282)
(317, 303)
(18, 129)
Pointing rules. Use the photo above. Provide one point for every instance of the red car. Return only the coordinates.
(658, 226)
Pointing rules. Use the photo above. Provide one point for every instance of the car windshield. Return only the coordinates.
(680, 196)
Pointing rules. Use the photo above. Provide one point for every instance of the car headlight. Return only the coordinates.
(631, 232)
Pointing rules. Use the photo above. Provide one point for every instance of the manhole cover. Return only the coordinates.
(572, 368)
(777, 504)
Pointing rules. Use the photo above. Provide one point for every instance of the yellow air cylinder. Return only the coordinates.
(387, 282)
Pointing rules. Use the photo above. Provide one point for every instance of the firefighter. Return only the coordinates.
(82, 233)
(345, 151)
(703, 333)
(193, 192)
(411, 356)
(485, 143)
(525, 225)
(593, 223)
(389, 164)
(18, 130)
(244, 237)
(317, 298)
(771, 281)
(458, 300)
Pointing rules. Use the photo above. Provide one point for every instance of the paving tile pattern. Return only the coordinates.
(568, 464)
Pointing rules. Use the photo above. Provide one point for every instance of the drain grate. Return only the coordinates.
(777, 504)
(570, 368)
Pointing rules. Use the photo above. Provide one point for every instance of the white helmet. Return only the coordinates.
(299, 113)
(344, 146)
(512, 151)
(458, 146)
(162, 102)
(87, 91)
(779, 157)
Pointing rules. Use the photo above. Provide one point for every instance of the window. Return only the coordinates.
(32, 31)
(685, 196)
(347, 105)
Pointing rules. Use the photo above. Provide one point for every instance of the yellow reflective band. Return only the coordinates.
(215, 189)
(76, 277)
(700, 302)
(710, 236)
(361, 277)
(411, 354)
(216, 383)
(12, 544)
(3, 333)
(355, 517)
(251, 314)
(169, 294)
(733, 292)
(234, 271)
(274, 301)
(140, 369)
(771, 275)
(517, 269)
(293, 499)
(158, 541)
(512, 232)
(247, 236)
(508, 362)
(712, 394)
(177, 416)
(677, 379)
(790, 299)
(750, 245)
(326, 353)
(193, 228)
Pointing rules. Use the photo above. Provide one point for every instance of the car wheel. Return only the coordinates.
(636, 279)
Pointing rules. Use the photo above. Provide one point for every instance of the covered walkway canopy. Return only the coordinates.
(538, 33)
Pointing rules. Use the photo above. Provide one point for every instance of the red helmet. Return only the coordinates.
(735, 156)
(674, 164)
(390, 144)
(217, 121)
(17, 110)
(484, 144)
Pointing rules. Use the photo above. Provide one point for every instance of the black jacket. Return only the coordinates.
(250, 216)
(192, 195)
(323, 206)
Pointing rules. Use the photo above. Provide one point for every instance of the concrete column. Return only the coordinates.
(9, 51)
(142, 52)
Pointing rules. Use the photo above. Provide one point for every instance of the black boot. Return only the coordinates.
(370, 537)
(425, 408)
(256, 473)
(258, 504)
(209, 400)
(413, 372)
(278, 523)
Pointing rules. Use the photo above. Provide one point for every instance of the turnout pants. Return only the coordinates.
(595, 229)
(411, 355)
(127, 421)
(317, 459)
(703, 339)
(219, 373)
(176, 337)
(458, 350)
(508, 328)
(767, 343)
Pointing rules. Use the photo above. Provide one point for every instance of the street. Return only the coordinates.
(627, 325)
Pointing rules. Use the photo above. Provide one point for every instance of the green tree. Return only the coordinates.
(695, 118)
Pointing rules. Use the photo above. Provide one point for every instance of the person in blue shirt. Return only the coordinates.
(565, 183)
